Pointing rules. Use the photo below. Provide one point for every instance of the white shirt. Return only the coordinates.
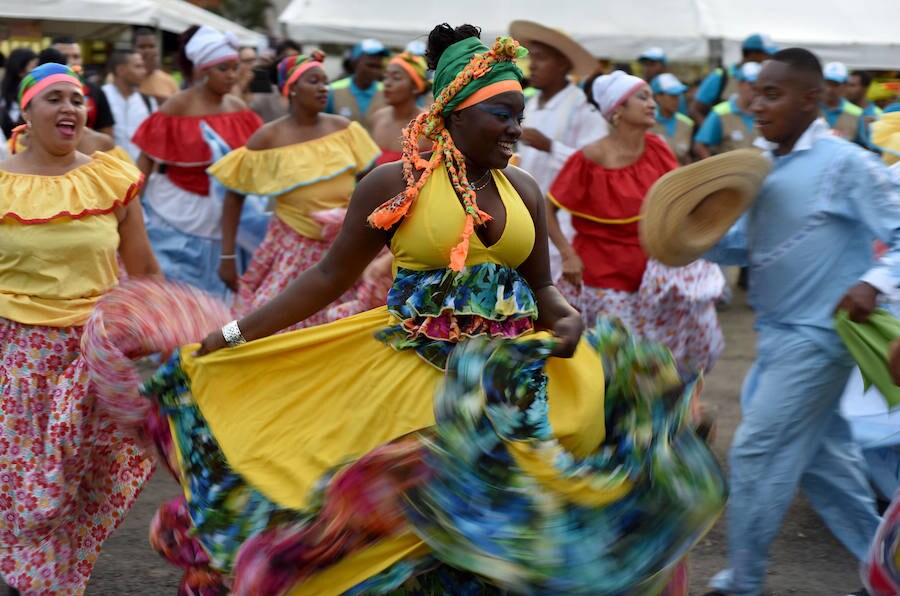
(128, 113)
(571, 123)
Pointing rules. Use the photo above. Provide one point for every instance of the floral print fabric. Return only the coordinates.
(68, 475)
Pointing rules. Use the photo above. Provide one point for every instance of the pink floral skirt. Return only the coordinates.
(674, 306)
(283, 255)
(68, 475)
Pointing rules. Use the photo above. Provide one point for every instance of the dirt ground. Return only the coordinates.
(806, 559)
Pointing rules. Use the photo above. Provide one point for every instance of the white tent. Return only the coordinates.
(607, 28)
(103, 18)
(862, 33)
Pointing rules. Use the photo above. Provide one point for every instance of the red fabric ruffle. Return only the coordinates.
(611, 252)
(178, 142)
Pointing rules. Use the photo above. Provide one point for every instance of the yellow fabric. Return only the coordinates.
(287, 408)
(53, 267)
(359, 566)
(120, 154)
(424, 239)
(305, 177)
(886, 136)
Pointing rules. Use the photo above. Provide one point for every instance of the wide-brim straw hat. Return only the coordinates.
(525, 32)
(690, 209)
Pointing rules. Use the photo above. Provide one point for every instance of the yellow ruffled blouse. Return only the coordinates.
(306, 177)
(59, 238)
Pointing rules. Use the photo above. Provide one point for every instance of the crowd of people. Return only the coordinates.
(454, 362)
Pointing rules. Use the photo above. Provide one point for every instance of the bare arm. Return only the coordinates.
(701, 151)
(134, 247)
(554, 312)
(573, 267)
(356, 245)
(231, 217)
(698, 112)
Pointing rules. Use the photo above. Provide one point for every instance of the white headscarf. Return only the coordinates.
(612, 90)
(208, 47)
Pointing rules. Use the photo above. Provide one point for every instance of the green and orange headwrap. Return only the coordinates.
(468, 72)
(292, 68)
(42, 77)
(415, 67)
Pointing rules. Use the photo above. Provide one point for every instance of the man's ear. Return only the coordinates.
(812, 99)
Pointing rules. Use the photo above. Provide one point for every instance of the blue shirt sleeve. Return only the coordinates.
(732, 248)
(711, 132)
(875, 199)
(708, 92)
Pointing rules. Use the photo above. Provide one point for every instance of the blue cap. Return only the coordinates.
(836, 72)
(759, 43)
(654, 53)
(667, 84)
(369, 47)
(416, 47)
(749, 71)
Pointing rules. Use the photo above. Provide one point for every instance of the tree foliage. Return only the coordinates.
(249, 13)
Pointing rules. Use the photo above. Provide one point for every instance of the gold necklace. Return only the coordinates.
(474, 185)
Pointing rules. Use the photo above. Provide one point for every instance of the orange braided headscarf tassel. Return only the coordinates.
(431, 125)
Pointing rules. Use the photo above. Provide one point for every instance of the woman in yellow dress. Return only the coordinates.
(309, 162)
(465, 436)
(68, 474)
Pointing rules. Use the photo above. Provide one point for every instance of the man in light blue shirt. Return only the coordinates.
(808, 244)
(361, 94)
(730, 125)
(654, 62)
(721, 83)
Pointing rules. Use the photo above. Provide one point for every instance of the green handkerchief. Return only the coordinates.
(869, 343)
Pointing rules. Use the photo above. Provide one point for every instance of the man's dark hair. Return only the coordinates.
(117, 59)
(142, 32)
(801, 61)
(865, 78)
(67, 39)
(51, 56)
(287, 44)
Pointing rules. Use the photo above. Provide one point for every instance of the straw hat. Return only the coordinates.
(690, 209)
(527, 32)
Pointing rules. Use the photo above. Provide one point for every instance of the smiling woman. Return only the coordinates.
(192, 130)
(309, 163)
(436, 444)
(68, 475)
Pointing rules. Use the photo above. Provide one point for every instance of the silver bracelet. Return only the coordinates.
(232, 334)
(227, 257)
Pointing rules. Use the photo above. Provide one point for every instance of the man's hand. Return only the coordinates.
(859, 302)
(535, 138)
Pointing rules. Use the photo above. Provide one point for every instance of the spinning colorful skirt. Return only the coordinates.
(305, 179)
(182, 208)
(431, 445)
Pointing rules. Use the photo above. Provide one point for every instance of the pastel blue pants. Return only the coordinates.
(792, 436)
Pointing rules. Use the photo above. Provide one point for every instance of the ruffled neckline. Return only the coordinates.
(278, 170)
(178, 140)
(95, 188)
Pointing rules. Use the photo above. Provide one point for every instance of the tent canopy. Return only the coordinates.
(103, 18)
(605, 28)
(862, 33)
